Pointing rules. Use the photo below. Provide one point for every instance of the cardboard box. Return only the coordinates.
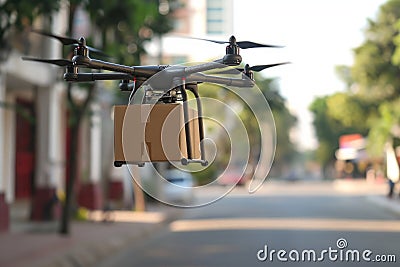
(152, 133)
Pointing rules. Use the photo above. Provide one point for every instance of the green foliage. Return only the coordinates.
(348, 110)
(344, 73)
(284, 120)
(127, 25)
(325, 152)
(325, 128)
(82, 214)
(376, 73)
(373, 71)
(20, 14)
(382, 129)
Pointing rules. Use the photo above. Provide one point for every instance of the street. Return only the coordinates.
(295, 224)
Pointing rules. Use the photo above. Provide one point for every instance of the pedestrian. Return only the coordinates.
(392, 169)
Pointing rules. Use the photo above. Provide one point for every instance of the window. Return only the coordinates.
(215, 17)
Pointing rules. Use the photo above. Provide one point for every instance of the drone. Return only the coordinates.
(175, 79)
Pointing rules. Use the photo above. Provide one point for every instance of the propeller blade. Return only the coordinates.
(97, 51)
(208, 40)
(63, 40)
(69, 41)
(258, 68)
(58, 62)
(241, 44)
(248, 44)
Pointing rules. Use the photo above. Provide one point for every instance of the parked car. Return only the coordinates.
(178, 188)
(233, 178)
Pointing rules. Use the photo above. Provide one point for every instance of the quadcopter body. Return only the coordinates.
(171, 84)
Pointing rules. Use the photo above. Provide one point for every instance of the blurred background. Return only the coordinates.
(336, 112)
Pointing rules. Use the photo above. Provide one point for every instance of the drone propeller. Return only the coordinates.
(63, 40)
(241, 44)
(58, 62)
(247, 68)
(69, 41)
(258, 68)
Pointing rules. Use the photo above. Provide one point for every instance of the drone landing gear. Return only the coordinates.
(120, 163)
(194, 89)
(185, 161)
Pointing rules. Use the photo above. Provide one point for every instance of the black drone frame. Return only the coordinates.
(177, 79)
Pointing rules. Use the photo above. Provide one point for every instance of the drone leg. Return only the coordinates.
(186, 121)
(200, 118)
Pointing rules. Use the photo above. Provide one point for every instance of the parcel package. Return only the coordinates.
(153, 133)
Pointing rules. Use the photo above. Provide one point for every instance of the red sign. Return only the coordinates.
(356, 141)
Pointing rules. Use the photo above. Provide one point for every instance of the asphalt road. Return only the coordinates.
(284, 224)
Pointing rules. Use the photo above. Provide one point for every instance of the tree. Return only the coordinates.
(349, 110)
(373, 72)
(332, 118)
(376, 74)
(385, 127)
(325, 130)
(369, 106)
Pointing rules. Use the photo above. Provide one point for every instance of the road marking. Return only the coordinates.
(285, 224)
(128, 216)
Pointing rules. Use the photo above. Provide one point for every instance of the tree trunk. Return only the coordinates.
(77, 113)
(69, 194)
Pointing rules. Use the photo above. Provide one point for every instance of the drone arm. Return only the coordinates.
(89, 77)
(140, 71)
(99, 64)
(198, 77)
(204, 67)
(220, 61)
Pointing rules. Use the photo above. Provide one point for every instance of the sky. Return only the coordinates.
(317, 35)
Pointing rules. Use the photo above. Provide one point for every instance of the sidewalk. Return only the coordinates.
(39, 244)
(392, 204)
(374, 192)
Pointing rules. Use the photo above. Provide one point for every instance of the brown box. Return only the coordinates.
(144, 133)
